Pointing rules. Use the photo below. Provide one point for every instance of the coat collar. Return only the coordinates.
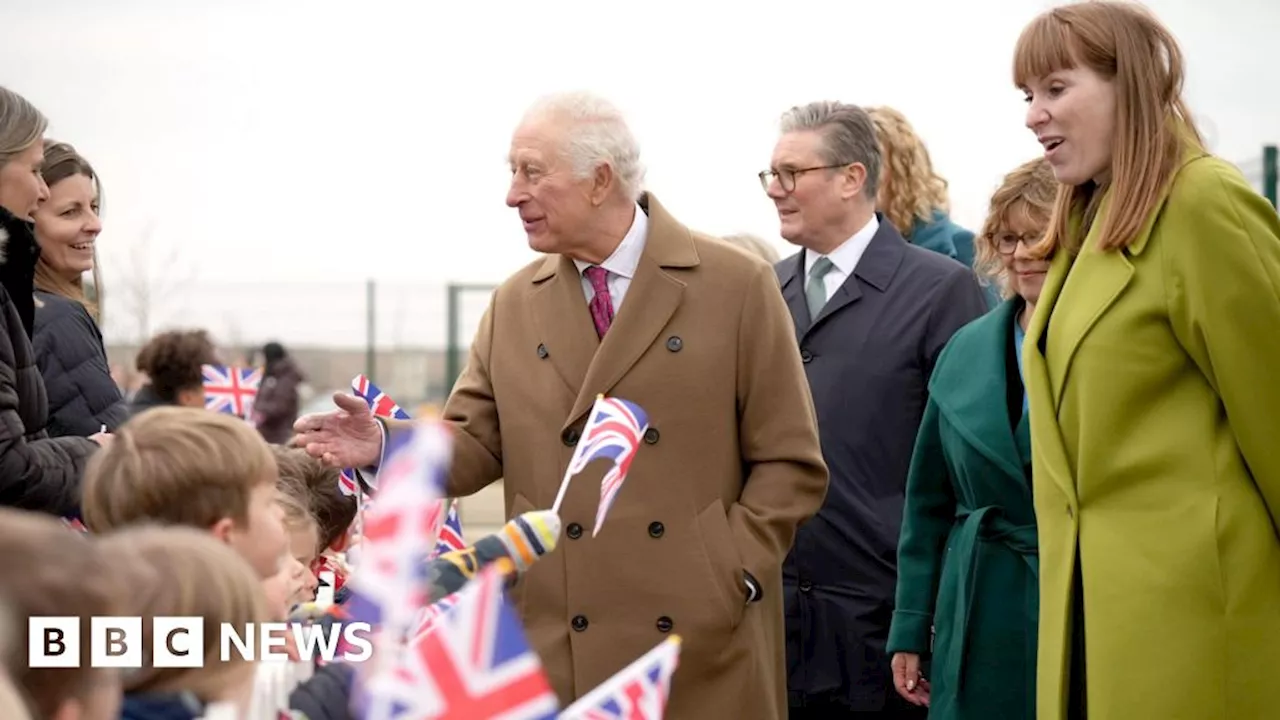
(587, 365)
(1098, 281)
(969, 387)
(19, 254)
(669, 244)
(879, 263)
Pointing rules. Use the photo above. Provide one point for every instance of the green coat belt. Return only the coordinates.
(967, 558)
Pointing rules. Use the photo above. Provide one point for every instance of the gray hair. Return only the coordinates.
(21, 124)
(848, 135)
(597, 135)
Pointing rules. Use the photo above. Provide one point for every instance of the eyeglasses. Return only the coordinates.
(1007, 243)
(787, 177)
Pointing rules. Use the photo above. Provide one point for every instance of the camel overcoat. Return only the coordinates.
(729, 468)
(1155, 431)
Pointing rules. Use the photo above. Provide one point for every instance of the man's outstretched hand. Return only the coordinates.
(348, 437)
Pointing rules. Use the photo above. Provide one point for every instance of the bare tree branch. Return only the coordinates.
(148, 287)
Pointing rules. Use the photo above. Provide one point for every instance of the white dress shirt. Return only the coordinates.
(845, 258)
(622, 263)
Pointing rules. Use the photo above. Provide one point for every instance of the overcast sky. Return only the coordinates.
(278, 152)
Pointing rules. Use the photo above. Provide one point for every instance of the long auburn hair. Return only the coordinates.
(61, 161)
(1125, 44)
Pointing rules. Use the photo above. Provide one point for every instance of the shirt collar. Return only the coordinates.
(626, 257)
(846, 257)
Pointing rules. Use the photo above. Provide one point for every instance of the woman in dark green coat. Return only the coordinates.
(967, 584)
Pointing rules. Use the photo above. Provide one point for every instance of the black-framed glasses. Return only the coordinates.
(787, 177)
(1007, 243)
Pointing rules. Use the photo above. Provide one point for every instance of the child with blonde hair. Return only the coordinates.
(190, 467)
(184, 572)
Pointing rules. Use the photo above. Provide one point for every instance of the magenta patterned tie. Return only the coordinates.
(601, 304)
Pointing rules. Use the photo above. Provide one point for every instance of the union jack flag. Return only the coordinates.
(451, 534)
(638, 692)
(229, 389)
(613, 432)
(386, 587)
(428, 616)
(476, 663)
(75, 524)
(381, 406)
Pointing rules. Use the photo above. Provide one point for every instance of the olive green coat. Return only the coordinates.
(1155, 419)
(967, 556)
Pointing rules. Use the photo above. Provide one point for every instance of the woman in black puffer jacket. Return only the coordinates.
(83, 397)
(36, 472)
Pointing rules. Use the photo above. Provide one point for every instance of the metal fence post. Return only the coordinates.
(451, 369)
(1270, 174)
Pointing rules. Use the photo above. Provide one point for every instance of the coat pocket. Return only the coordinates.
(724, 564)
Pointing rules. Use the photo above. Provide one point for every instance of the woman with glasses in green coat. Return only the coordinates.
(967, 584)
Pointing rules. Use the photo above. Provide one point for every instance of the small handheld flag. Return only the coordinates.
(229, 389)
(614, 431)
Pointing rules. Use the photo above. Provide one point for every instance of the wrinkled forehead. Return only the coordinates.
(797, 149)
(536, 140)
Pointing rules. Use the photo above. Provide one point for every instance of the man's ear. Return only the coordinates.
(222, 529)
(855, 181)
(602, 182)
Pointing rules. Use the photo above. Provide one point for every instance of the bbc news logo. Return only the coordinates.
(179, 642)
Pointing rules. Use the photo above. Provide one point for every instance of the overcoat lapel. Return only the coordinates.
(793, 293)
(593, 367)
(970, 390)
(563, 322)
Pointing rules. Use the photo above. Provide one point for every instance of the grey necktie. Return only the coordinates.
(815, 292)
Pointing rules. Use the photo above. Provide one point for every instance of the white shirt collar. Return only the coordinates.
(626, 257)
(846, 257)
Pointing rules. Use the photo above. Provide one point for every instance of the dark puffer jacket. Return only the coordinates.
(36, 472)
(276, 405)
(73, 363)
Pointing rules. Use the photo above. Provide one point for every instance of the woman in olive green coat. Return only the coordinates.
(1151, 365)
(967, 556)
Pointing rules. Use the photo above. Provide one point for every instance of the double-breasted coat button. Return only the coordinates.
(656, 529)
(542, 352)
(674, 343)
(569, 437)
(579, 622)
(805, 586)
(806, 356)
(664, 624)
(574, 531)
(651, 436)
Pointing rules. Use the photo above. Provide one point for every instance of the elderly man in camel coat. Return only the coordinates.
(630, 303)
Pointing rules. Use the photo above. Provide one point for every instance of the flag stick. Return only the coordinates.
(564, 485)
(568, 472)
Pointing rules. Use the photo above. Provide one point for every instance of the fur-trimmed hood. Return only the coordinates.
(19, 253)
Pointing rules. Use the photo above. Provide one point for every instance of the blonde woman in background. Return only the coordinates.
(913, 196)
(184, 572)
(83, 397)
(754, 245)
